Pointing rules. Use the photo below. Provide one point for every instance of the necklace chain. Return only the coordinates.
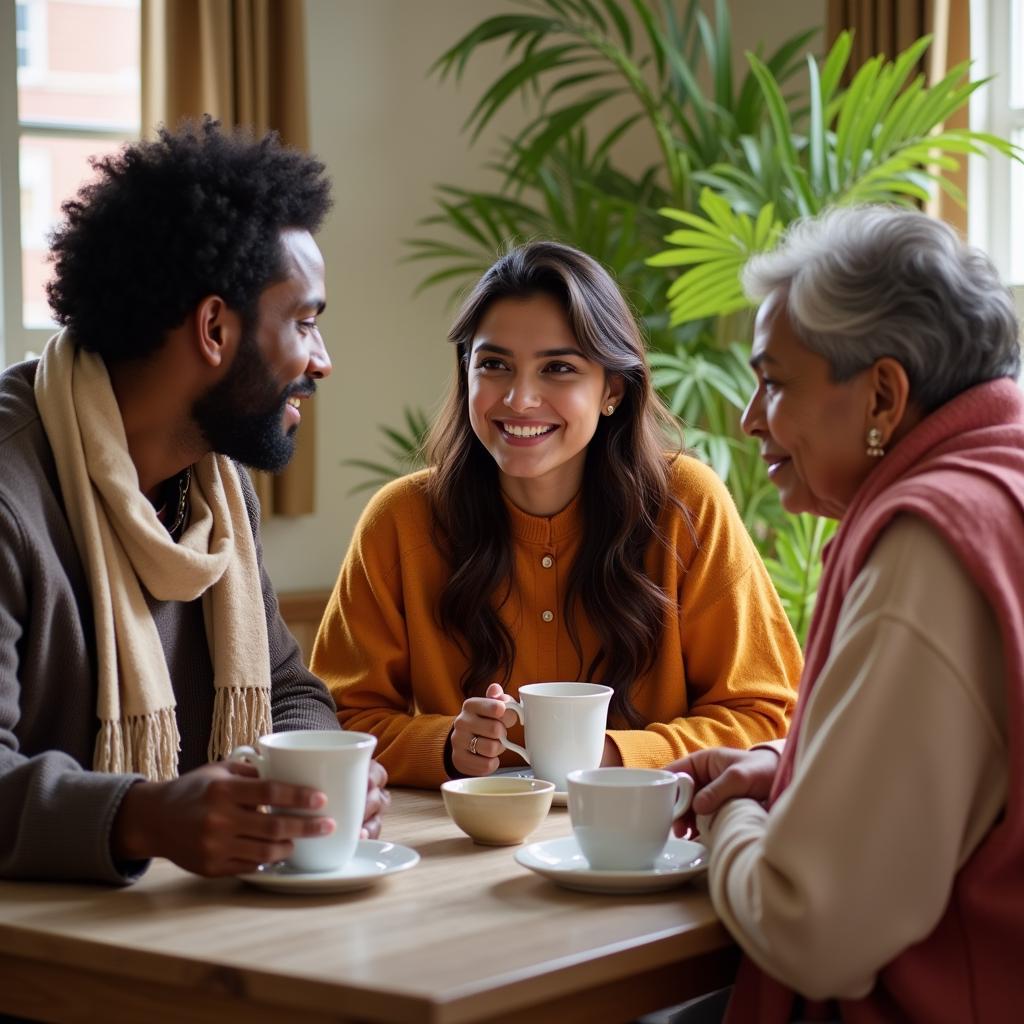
(184, 480)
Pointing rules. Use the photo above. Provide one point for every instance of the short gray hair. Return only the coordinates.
(863, 282)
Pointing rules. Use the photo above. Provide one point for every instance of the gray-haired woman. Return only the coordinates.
(876, 859)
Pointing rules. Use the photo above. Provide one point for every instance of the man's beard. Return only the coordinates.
(241, 415)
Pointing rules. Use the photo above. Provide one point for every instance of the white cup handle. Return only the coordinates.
(517, 708)
(685, 795)
(249, 755)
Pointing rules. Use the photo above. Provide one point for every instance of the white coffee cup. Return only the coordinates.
(564, 725)
(621, 816)
(338, 765)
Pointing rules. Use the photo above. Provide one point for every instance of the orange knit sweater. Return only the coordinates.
(725, 671)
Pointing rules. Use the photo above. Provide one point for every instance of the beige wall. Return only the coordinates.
(774, 21)
(388, 133)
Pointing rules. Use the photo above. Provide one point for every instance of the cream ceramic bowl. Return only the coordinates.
(497, 811)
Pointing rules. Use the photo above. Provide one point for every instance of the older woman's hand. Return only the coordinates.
(478, 731)
(721, 774)
(377, 801)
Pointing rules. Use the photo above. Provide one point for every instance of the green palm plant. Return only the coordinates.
(579, 56)
(881, 140)
(737, 162)
(403, 449)
(795, 565)
(571, 59)
(577, 195)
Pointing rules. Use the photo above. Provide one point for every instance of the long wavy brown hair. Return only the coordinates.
(625, 487)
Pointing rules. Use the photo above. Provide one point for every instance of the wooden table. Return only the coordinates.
(467, 935)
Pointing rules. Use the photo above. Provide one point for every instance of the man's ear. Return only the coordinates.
(218, 330)
(890, 397)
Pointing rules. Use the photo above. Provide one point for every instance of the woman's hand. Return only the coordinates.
(721, 774)
(378, 799)
(478, 730)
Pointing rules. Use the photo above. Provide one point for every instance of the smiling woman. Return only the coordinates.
(535, 400)
(810, 425)
(553, 538)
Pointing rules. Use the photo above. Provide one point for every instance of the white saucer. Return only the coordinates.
(373, 860)
(560, 798)
(562, 862)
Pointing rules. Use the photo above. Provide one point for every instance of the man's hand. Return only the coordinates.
(210, 821)
(721, 773)
(377, 801)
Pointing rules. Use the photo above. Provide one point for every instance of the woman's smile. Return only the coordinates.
(776, 463)
(525, 432)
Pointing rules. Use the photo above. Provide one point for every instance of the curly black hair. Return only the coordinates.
(197, 212)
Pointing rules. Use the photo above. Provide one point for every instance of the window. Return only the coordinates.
(69, 89)
(996, 210)
(30, 38)
(1016, 130)
(22, 34)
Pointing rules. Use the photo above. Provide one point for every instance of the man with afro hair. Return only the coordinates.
(140, 639)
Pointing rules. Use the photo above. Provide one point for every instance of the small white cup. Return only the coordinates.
(334, 762)
(621, 816)
(564, 725)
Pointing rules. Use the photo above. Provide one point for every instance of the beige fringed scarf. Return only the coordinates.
(123, 545)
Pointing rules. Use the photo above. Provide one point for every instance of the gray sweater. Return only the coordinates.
(55, 812)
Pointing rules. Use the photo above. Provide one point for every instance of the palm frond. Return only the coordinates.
(795, 567)
(716, 246)
(404, 449)
(879, 141)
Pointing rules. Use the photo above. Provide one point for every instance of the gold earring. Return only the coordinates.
(609, 409)
(875, 449)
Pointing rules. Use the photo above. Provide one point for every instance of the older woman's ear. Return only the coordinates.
(891, 410)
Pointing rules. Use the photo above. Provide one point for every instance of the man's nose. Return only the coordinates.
(319, 365)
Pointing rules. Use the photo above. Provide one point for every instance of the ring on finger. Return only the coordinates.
(472, 744)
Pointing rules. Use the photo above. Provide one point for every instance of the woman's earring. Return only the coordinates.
(875, 449)
(609, 409)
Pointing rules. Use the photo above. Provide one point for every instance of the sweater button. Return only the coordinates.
(547, 616)
(547, 561)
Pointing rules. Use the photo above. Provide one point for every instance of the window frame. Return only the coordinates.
(990, 188)
(16, 340)
(37, 36)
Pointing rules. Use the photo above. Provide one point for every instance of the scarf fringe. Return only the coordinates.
(143, 744)
(241, 715)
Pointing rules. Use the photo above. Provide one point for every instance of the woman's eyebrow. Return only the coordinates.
(762, 357)
(546, 353)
